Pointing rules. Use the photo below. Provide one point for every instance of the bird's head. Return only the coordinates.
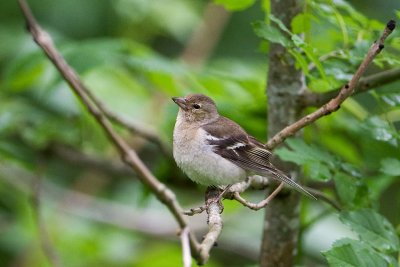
(196, 108)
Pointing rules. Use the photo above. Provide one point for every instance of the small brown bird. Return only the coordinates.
(214, 150)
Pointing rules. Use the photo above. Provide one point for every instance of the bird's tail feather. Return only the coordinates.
(278, 175)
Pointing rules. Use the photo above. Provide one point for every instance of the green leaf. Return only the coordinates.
(319, 85)
(235, 5)
(29, 71)
(381, 130)
(270, 33)
(352, 253)
(314, 58)
(345, 187)
(372, 228)
(317, 163)
(392, 99)
(320, 171)
(301, 23)
(302, 153)
(280, 24)
(300, 61)
(390, 166)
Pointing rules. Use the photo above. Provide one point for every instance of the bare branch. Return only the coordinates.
(194, 211)
(261, 204)
(345, 92)
(255, 181)
(163, 193)
(309, 98)
(186, 255)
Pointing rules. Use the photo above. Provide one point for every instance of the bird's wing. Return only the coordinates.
(245, 151)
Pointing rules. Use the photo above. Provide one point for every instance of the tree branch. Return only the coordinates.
(261, 204)
(370, 82)
(345, 92)
(214, 210)
(186, 255)
(161, 191)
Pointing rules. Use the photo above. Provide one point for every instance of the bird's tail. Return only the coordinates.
(280, 176)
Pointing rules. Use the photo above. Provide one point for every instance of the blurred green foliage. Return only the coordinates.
(128, 52)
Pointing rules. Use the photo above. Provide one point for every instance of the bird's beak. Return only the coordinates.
(181, 102)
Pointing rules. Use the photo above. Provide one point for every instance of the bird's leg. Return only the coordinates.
(213, 194)
(221, 195)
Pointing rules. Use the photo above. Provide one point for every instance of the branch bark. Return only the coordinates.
(186, 255)
(284, 82)
(281, 222)
(214, 210)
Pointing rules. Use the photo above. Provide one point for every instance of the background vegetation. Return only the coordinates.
(134, 55)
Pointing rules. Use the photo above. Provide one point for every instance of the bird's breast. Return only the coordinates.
(197, 159)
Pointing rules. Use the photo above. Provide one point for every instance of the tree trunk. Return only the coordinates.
(281, 223)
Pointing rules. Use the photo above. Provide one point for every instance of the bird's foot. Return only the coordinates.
(213, 198)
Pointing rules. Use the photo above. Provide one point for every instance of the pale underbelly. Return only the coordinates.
(211, 169)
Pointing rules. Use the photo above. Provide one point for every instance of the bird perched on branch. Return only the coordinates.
(214, 150)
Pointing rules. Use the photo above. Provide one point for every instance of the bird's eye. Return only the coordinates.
(196, 106)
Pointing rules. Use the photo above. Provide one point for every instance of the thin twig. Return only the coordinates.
(186, 255)
(194, 211)
(161, 191)
(311, 99)
(261, 204)
(345, 92)
(45, 241)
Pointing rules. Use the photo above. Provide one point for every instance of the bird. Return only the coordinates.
(213, 150)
